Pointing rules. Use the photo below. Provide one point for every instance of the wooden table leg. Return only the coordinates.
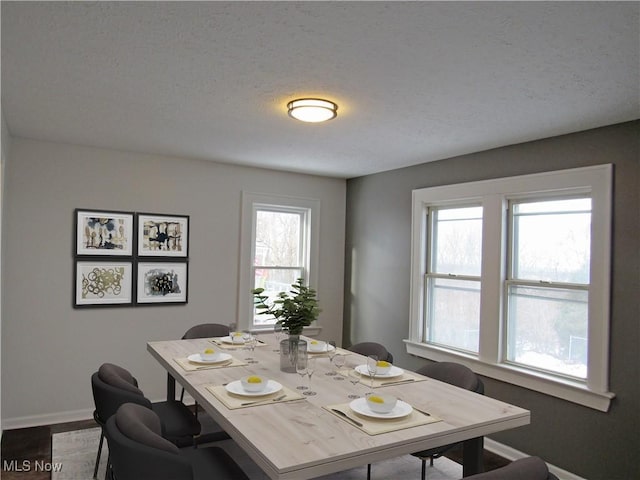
(472, 456)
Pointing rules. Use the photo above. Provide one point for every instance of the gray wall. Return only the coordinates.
(592, 444)
(5, 147)
(49, 349)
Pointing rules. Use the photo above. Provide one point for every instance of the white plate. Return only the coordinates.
(394, 372)
(196, 358)
(321, 350)
(236, 389)
(359, 405)
(228, 339)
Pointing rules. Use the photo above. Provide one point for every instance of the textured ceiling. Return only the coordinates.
(415, 81)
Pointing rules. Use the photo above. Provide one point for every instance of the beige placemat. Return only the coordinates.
(233, 402)
(375, 426)
(405, 378)
(233, 346)
(192, 366)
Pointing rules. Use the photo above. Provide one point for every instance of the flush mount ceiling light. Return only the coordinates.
(313, 110)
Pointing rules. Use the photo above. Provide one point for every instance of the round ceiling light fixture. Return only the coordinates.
(312, 110)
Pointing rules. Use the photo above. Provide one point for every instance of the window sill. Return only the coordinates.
(561, 388)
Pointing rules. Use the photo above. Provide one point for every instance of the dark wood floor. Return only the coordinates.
(34, 444)
(25, 446)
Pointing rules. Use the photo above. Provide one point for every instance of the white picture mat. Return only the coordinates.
(124, 237)
(117, 291)
(170, 248)
(146, 270)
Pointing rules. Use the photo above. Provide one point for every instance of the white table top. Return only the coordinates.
(300, 439)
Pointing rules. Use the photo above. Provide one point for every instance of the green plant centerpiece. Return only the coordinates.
(293, 310)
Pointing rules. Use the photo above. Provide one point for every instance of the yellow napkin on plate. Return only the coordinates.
(192, 366)
(406, 378)
(376, 426)
(232, 401)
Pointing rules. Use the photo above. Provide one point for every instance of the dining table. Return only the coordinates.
(290, 435)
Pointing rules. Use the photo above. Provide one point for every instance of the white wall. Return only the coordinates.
(49, 349)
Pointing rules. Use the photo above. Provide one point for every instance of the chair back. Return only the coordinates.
(372, 348)
(206, 330)
(137, 449)
(453, 374)
(530, 468)
(113, 386)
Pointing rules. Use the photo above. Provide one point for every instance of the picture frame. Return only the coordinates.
(161, 282)
(104, 233)
(100, 283)
(162, 235)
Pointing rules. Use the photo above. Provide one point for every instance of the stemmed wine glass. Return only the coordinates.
(372, 368)
(301, 368)
(354, 378)
(311, 367)
(339, 361)
(331, 351)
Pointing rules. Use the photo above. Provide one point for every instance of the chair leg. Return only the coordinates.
(431, 461)
(424, 469)
(368, 471)
(95, 469)
(182, 395)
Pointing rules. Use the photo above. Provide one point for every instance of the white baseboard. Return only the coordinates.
(46, 419)
(512, 454)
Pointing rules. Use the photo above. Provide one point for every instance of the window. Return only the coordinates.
(279, 245)
(547, 286)
(453, 277)
(511, 277)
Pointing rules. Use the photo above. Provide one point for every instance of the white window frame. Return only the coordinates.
(251, 203)
(494, 196)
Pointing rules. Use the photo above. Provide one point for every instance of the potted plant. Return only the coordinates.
(293, 311)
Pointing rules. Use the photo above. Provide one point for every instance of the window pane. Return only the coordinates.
(278, 239)
(457, 241)
(552, 240)
(273, 281)
(454, 313)
(547, 329)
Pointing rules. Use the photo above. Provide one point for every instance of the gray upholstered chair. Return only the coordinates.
(530, 468)
(372, 348)
(138, 451)
(204, 330)
(113, 386)
(453, 374)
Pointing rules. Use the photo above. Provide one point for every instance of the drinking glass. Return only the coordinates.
(372, 367)
(339, 361)
(277, 329)
(248, 339)
(331, 351)
(251, 343)
(311, 367)
(301, 368)
(354, 377)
